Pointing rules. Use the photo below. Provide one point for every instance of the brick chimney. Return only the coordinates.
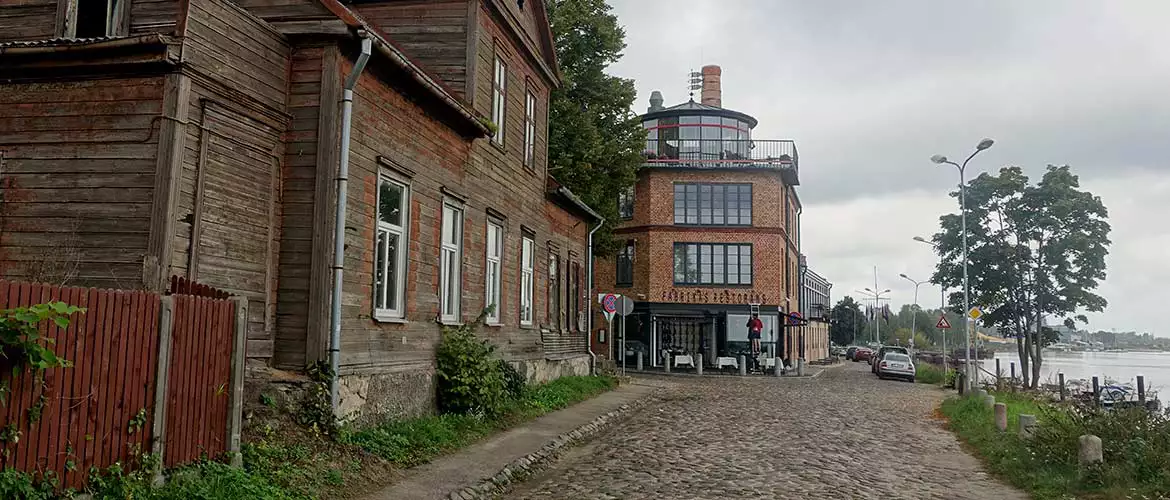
(712, 92)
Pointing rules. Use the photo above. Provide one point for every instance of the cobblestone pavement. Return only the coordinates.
(844, 434)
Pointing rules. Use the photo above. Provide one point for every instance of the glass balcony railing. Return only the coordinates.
(722, 153)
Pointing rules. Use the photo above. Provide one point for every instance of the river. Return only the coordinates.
(1117, 366)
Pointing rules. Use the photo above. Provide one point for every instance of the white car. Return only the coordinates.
(896, 365)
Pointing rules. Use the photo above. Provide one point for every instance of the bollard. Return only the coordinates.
(1096, 392)
(1060, 377)
(698, 364)
(1089, 452)
(1027, 426)
(639, 360)
(1141, 381)
(989, 401)
(979, 393)
(1013, 379)
(666, 365)
(800, 367)
(742, 364)
(1000, 416)
(779, 367)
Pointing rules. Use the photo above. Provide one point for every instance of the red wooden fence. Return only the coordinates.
(100, 410)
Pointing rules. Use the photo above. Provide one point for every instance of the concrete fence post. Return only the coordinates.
(698, 364)
(1096, 391)
(1141, 388)
(998, 376)
(236, 404)
(1060, 380)
(800, 367)
(667, 359)
(989, 401)
(1027, 426)
(1001, 417)
(166, 322)
(779, 367)
(1089, 452)
(742, 364)
(639, 360)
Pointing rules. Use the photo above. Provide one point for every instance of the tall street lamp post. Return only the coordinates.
(914, 310)
(940, 159)
(942, 304)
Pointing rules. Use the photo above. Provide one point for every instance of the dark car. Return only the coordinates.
(849, 352)
(862, 354)
(881, 354)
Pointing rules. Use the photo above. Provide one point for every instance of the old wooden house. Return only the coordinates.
(141, 139)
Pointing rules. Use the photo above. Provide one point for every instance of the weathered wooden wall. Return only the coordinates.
(432, 32)
(27, 19)
(77, 164)
(154, 16)
(229, 199)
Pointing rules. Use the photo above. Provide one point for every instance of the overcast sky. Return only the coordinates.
(870, 90)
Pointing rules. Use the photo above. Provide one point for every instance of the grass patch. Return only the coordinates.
(1136, 448)
(929, 374)
(407, 443)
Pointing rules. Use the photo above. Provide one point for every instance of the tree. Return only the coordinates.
(595, 142)
(1034, 251)
(848, 322)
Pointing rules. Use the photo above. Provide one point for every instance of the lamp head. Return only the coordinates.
(904, 276)
(919, 238)
(984, 144)
(939, 159)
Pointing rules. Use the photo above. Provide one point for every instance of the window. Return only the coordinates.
(713, 204)
(527, 249)
(499, 96)
(529, 130)
(94, 18)
(712, 264)
(575, 317)
(626, 203)
(451, 263)
(553, 295)
(495, 248)
(390, 249)
(625, 264)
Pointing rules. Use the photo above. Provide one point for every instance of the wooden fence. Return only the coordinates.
(132, 353)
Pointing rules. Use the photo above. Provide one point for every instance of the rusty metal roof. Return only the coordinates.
(49, 42)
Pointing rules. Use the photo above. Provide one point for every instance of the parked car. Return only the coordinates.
(862, 354)
(881, 354)
(896, 365)
(849, 352)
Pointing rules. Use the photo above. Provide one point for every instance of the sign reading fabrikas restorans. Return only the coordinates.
(700, 296)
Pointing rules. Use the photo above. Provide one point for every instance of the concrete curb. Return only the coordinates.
(529, 464)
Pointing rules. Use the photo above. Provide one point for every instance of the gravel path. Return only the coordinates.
(844, 434)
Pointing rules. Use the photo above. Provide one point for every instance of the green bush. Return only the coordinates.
(22, 485)
(930, 374)
(470, 380)
(514, 382)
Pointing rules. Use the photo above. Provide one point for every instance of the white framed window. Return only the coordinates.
(495, 249)
(499, 98)
(390, 249)
(529, 130)
(527, 251)
(451, 263)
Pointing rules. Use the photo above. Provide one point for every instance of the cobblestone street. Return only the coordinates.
(844, 434)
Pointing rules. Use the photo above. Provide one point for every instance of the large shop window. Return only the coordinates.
(451, 263)
(492, 268)
(390, 249)
(527, 249)
(713, 204)
(625, 264)
(712, 264)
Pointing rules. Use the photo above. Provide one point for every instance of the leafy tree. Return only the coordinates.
(595, 142)
(848, 323)
(1034, 250)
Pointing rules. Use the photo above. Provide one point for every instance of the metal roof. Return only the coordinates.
(49, 42)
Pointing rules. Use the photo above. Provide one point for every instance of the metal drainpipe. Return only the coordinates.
(339, 230)
(589, 303)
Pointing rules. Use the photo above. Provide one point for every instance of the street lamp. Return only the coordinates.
(877, 298)
(942, 302)
(940, 159)
(914, 311)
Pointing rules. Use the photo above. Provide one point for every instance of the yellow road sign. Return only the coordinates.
(975, 313)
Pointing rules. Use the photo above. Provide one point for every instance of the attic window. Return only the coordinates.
(93, 18)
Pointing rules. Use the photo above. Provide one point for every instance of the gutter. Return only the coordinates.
(564, 191)
(589, 301)
(339, 229)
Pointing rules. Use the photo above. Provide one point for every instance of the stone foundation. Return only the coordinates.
(537, 371)
(369, 399)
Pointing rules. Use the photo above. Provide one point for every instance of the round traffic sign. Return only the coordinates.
(794, 318)
(609, 303)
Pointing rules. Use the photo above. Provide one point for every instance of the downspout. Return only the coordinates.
(339, 229)
(589, 302)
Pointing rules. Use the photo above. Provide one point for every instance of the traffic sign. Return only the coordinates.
(975, 313)
(609, 303)
(794, 318)
(625, 306)
(943, 324)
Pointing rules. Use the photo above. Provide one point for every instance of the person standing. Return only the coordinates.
(755, 330)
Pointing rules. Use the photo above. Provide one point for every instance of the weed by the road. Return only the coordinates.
(408, 443)
(929, 374)
(1137, 448)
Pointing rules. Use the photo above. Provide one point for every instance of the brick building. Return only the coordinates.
(710, 233)
(141, 139)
